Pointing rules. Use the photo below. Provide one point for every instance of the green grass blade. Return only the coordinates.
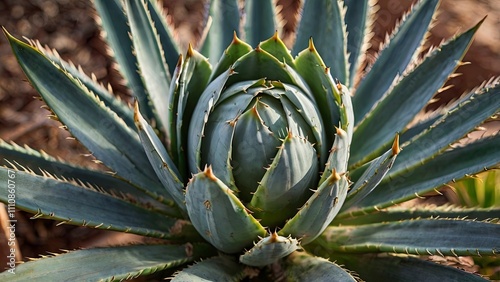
(431, 211)
(455, 124)
(151, 58)
(65, 201)
(412, 182)
(88, 119)
(323, 20)
(358, 19)
(394, 58)
(224, 21)
(212, 269)
(407, 98)
(403, 269)
(444, 237)
(107, 264)
(114, 21)
(260, 21)
(304, 267)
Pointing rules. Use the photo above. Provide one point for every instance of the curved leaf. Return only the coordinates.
(212, 269)
(269, 249)
(218, 215)
(304, 267)
(107, 264)
(98, 128)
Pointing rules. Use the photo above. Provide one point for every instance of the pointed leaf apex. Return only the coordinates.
(236, 40)
(190, 51)
(209, 173)
(311, 45)
(179, 62)
(136, 115)
(275, 36)
(395, 146)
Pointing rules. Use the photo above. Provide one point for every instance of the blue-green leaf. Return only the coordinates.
(260, 21)
(407, 98)
(450, 237)
(219, 268)
(304, 267)
(404, 268)
(218, 215)
(269, 249)
(394, 58)
(323, 20)
(223, 21)
(117, 34)
(47, 197)
(358, 19)
(88, 119)
(107, 264)
(151, 58)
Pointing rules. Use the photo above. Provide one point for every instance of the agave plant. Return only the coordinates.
(255, 163)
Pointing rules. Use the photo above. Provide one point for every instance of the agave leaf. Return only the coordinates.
(304, 267)
(470, 113)
(117, 34)
(358, 19)
(192, 82)
(223, 21)
(260, 21)
(454, 164)
(323, 20)
(111, 101)
(151, 58)
(218, 214)
(92, 123)
(162, 164)
(236, 49)
(339, 155)
(200, 115)
(107, 264)
(48, 197)
(315, 215)
(294, 167)
(275, 46)
(32, 159)
(217, 147)
(167, 42)
(312, 68)
(372, 176)
(431, 211)
(450, 237)
(269, 249)
(392, 61)
(404, 268)
(407, 98)
(219, 268)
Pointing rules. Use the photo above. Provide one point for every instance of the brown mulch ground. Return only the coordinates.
(69, 27)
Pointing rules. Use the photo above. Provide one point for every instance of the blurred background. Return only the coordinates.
(70, 27)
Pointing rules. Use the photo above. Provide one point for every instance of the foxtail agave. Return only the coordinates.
(255, 163)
